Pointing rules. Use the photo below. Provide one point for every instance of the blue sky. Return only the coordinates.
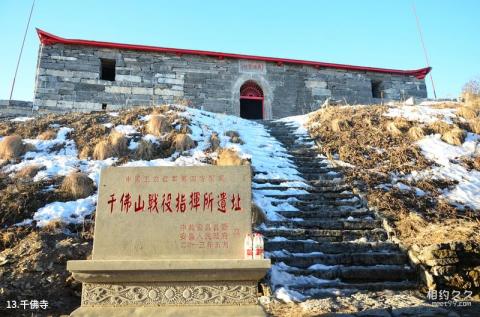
(369, 32)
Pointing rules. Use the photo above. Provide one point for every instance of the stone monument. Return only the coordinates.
(168, 241)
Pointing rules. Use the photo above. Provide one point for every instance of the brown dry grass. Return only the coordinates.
(416, 133)
(377, 152)
(229, 157)
(214, 141)
(439, 127)
(339, 125)
(78, 185)
(183, 142)
(474, 125)
(54, 226)
(102, 150)
(455, 136)
(145, 150)
(467, 112)
(472, 100)
(47, 135)
(118, 143)
(85, 153)
(11, 147)
(158, 125)
(29, 171)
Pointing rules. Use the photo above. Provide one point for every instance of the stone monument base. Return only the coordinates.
(172, 311)
(169, 287)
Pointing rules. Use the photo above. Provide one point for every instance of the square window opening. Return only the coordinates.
(104, 106)
(377, 89)
(107, 69)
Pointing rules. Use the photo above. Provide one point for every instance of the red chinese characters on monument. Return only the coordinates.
(180, 202)
(206, 235)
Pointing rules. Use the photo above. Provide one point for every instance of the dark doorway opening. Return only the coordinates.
(251, 101)
(251, 109)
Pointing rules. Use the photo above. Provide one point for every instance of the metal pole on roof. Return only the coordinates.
(20, 55)
(424, 47)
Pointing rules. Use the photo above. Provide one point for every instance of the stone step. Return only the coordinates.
(333, 213)
(323, 290)
(327, 235)
(319, 176)
(319, 204)
(306, 246)
(314, 197)
(357, 273)
(337, 224)
(363, 259)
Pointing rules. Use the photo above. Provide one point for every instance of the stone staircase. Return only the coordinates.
(326, 240)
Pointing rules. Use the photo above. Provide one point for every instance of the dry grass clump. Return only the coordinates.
(416, 133)
(455, 136)
(145, 150)
(393, 129)
(214, 141)
(54, 226)
(467, 112)
(47, 135)
(6, 239)
(84, 153)
(12, 147)
(229, 157)
(472, 100)
(234, 137)
(258, 216)
(474, 125)
(339, 125)
(29, 171)
(102, 150)
(119, 143)
(158, 125)
(78, 185)
(439, 127)
(183, 142)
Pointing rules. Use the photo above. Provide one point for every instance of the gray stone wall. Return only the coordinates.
(68, 79)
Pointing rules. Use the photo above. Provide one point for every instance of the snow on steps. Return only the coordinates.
(324, 239)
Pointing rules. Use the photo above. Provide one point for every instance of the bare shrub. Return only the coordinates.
(11, 147)
(471, 94)
(158, 125)
(47, 135)
(78, 185)
(455, 136)
(183, 142)
(102, 150)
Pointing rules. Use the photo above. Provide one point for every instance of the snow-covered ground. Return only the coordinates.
(268, 158)
(446, 156)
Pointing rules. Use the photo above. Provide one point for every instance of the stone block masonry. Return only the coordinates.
(69, 78)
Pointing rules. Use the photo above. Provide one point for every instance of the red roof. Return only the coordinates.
(48, 39)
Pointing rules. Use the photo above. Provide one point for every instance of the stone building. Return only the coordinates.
(83, 75)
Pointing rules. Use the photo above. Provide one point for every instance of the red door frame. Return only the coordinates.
(255, 94)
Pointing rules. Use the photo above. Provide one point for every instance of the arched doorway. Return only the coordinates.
(251, 101)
